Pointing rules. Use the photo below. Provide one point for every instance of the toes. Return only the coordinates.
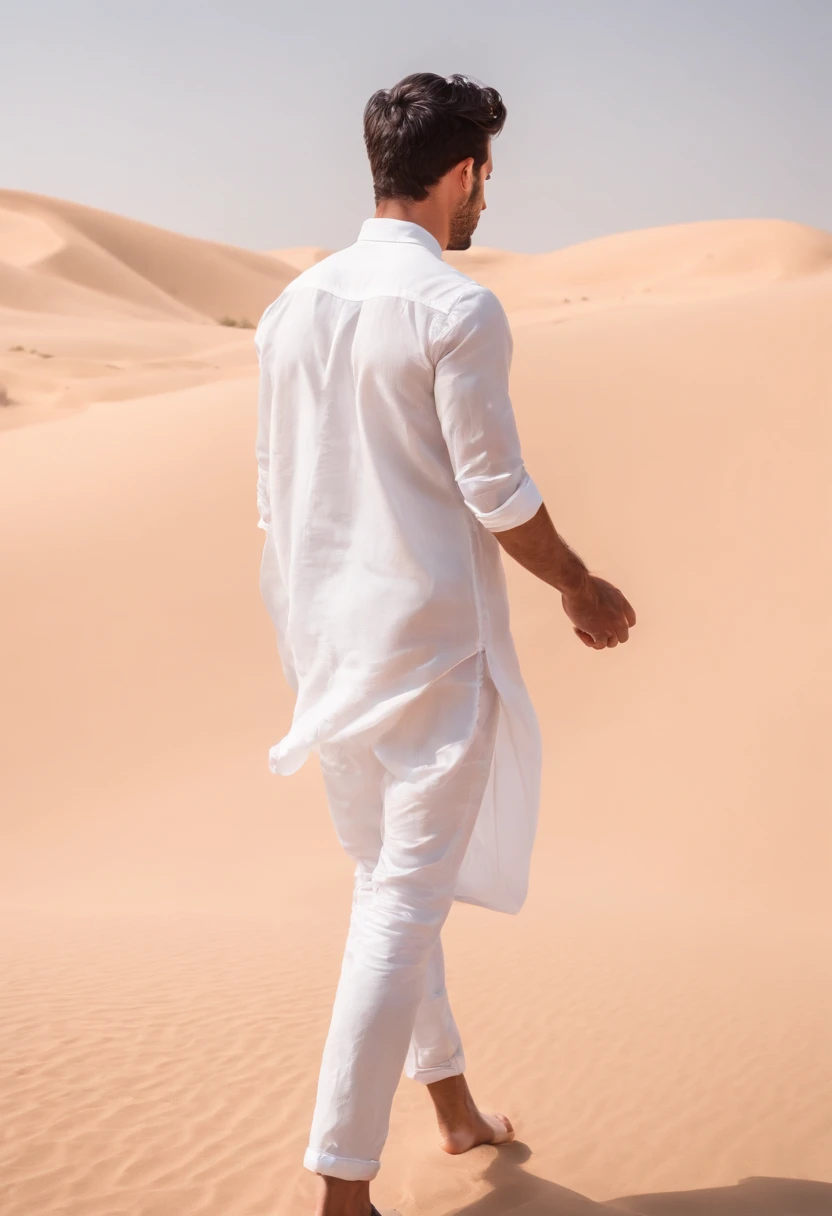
(503, 1130)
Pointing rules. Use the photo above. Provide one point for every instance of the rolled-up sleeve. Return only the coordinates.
(472, 355)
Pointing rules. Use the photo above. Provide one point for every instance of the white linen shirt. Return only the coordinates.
(387, 456)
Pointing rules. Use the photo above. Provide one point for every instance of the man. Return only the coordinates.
(390, 475)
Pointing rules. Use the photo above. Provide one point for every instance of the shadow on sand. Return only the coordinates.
(515, 1190)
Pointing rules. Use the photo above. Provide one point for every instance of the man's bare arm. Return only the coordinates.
(599, 613)
(537, 546)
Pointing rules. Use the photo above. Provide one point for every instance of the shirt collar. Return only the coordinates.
(401, 231)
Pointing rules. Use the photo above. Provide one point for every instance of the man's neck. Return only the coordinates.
(426, 214)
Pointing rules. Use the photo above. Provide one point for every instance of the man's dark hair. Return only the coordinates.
(418, 130)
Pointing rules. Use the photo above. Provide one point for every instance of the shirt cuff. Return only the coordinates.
(524, 503)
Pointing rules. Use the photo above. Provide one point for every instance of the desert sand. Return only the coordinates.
(658, 1019)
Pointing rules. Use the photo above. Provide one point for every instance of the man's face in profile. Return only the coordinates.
(467, 215)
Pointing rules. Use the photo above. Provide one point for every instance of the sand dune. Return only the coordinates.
(63, 260)
(658, 265)
(134, 264)
(482, 262)
(171, 915)
(300, 257)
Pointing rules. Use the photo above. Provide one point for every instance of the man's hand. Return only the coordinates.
(598, 611)
(600, 614)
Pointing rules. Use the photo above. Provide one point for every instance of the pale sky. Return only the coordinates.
(242, 121)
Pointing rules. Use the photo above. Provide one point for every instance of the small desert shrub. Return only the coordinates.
(15, 349)
(243, 323)
(5, 399)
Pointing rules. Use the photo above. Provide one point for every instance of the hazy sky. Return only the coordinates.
(242, 121)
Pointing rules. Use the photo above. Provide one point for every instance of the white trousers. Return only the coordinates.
(404, 805)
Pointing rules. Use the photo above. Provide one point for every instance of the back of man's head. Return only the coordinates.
(417, 131)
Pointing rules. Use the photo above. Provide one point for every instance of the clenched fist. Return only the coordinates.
(600, 614)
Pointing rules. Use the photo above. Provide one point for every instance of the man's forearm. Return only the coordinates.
(537, 546)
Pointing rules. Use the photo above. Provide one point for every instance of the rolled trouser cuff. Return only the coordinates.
(349, 1168)
(454, 1067)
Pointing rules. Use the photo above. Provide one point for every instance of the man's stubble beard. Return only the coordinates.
(465, 220)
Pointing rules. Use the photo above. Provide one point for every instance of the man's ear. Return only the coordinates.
(467, 173)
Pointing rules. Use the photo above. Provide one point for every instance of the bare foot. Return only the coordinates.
(483, 1129)
(461, 1125)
